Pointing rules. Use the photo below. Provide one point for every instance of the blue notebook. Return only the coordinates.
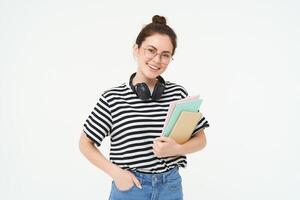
(190, 106)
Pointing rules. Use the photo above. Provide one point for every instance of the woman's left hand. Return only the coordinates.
(165, 147)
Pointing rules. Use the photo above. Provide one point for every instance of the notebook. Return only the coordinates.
(190, 105)
(172, 106)
(185, 126)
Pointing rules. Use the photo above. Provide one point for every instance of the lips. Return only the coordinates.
(153, 67)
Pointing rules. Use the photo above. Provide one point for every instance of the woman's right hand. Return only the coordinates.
(124, 180)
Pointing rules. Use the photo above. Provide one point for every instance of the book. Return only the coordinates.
(185, 126)
(172, 106)
(187, 104)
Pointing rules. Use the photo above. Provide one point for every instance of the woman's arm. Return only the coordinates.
(122, 178)
(196, 143)
(165, 146)
(90, 151)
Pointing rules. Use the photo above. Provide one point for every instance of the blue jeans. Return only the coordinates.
(162, 186)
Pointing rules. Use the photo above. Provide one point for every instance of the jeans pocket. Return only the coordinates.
(129, 189)
(119, 190)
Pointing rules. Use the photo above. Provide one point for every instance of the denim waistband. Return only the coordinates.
(157, 177)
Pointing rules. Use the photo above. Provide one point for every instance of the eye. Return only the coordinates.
(151, 50)
(165, 55)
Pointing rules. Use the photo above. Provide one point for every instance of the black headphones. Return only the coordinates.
(143, 92)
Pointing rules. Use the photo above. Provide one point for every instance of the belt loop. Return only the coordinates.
(164, 178)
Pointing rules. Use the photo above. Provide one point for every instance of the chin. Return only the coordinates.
(151, 75)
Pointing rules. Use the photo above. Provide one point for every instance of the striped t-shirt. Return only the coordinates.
(132, 125)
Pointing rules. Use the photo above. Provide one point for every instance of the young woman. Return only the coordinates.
(143, 164)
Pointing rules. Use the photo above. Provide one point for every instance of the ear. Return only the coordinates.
(135, 50)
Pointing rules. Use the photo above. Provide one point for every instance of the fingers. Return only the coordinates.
(136, 182)
(156, 153)
(162, 139)
(156, 145)
(156, 149)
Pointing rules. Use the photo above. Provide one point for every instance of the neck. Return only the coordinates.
(139, 78)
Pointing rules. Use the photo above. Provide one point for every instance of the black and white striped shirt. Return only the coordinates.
(132, 125)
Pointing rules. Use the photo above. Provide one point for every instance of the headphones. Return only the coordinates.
(143, 91)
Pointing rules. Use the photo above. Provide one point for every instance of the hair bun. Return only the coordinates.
(159, 19)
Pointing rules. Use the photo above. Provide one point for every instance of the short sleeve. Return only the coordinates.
(202, 124)
(98, 124)
(183, 92)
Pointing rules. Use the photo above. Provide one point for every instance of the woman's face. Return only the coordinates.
(154, 55)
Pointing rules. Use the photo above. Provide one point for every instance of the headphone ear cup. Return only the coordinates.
(143, 91)
(158, 91)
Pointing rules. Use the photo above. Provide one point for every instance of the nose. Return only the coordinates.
(157, 58)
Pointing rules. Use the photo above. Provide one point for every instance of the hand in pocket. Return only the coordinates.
(126, 180)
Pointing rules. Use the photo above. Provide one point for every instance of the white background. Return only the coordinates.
(242, 57)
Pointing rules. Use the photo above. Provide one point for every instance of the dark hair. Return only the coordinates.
(160, 26)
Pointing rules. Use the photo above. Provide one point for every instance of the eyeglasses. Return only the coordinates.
(164, 57)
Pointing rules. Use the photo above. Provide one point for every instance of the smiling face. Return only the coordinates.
(149, 68)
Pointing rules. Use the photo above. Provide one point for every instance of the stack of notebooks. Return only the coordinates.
(182, 118)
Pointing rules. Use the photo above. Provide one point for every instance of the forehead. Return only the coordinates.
(159, 41)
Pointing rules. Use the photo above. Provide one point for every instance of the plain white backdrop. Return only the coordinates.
(242, 57)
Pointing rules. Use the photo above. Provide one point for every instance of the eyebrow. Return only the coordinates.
(156, 49)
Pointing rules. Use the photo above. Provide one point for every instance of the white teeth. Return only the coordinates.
(152, 67)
